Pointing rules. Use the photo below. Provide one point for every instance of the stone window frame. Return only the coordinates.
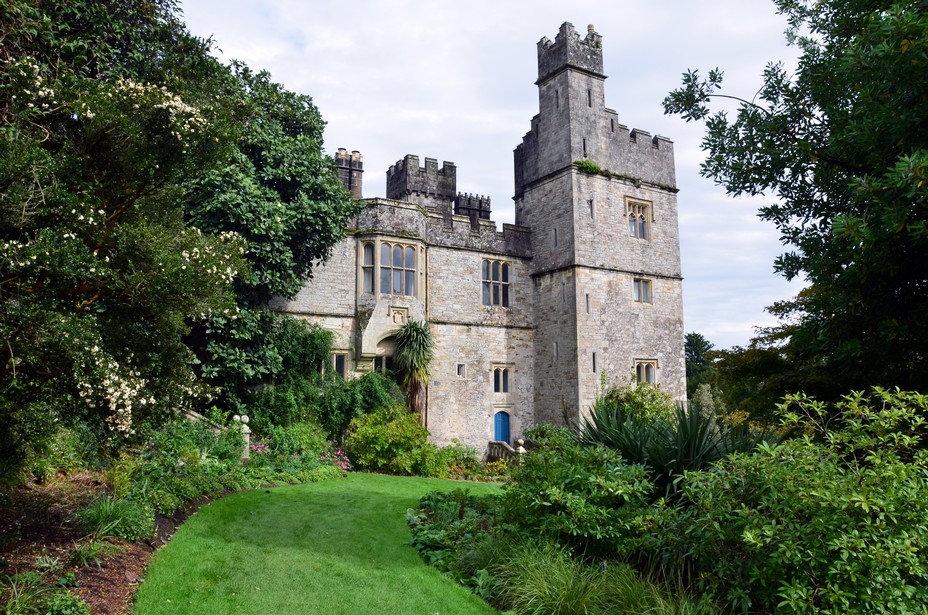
(639, 213)
(403, 271)
(646, 371)
(368, 258)
(461, 370)
(340, 364)
(501, 375)
(496, 283)
(373, 268)
(643, 290)
(383, 363)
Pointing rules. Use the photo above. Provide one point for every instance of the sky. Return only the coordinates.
(455, 81)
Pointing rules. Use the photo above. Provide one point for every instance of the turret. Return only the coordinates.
(428, 186)
(350, 167)
(569, 50)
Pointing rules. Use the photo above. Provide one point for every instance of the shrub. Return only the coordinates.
(278, 405)
(552, 437)
(455, 532)
(387, 440)
(65, 603)
(641, 400)
(119, 474)
(582, 496)
(827, 525)
(206, 440)
(343, 400)
(336, 456)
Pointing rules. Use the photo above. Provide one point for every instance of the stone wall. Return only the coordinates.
(607, 242)
(463, 407)
(331, 291)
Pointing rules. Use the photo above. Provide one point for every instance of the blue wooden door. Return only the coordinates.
(501, 427)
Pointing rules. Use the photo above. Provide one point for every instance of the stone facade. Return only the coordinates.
(587, 281)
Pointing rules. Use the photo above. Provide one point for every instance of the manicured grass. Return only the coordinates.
(331, 547)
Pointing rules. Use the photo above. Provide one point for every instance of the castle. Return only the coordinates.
(526, 321)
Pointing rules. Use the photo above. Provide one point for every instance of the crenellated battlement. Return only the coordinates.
(466, 232)
(569, 50)
(429, 186)
(474, 206)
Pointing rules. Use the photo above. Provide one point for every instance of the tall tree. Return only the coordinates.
(843, 144)
(144, 188)
(699, 367)
(100, 274)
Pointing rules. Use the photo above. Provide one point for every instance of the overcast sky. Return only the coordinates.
(455, 81)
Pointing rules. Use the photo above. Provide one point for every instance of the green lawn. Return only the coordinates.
(331, 547)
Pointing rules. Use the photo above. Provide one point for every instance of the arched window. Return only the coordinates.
(645, 371)
(495, 283)
(397, 269)
(501, 427)
(501, 380)
(639, 219)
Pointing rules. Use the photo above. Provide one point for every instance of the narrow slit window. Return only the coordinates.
(594, 362)
(584, 148)
(589, 98)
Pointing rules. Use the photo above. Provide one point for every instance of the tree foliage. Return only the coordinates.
(145, 188)
(843, 145)
(278, 191)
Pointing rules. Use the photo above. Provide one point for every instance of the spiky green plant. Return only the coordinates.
(668, 445)
(415, 347)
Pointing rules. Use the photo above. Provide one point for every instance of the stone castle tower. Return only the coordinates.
(606, 260)
(528, 321)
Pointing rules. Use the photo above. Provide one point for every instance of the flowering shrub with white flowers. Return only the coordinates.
(152, 201)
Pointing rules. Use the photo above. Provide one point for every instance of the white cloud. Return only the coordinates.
(455, 81)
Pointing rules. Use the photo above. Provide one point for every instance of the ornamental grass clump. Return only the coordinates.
(125, 518)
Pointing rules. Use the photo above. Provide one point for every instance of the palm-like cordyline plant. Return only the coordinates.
(414, 349)
(669, 446)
